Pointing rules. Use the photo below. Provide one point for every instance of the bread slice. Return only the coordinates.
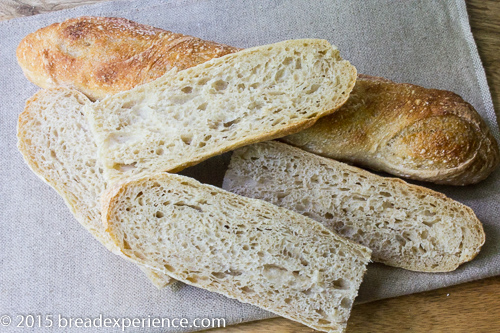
(405, 225)
(55, 141)
(406, 130)
(243, 248)
(253, 95)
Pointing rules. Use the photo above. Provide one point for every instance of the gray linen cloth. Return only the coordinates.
(51, 266)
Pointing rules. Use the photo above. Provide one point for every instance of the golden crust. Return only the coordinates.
(101, 56)
(406, 130)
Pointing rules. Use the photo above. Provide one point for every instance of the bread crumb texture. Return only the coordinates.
(405, 225)
(243, 248)
(184, 118)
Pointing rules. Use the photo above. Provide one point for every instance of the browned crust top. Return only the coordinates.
(101, 56)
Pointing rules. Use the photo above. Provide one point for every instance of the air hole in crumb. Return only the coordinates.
(279, 75)
(232, 122)
(126, 245)
(247, 290)
(202, 107)
(346, 303)
(124, 167)
(159, 215)
(287, 61)
(192, 279)
(298, 64)
(187, 90)
(139, 255)
(307, 292)
(187, 138)
(128, 105)
(313, 89)
(202, 82)
(169, 268)
(340, 284)
(219, 275)
(428, 213)
(387, 205)
(220, 85)
(430, 223)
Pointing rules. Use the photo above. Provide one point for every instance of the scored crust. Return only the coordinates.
(406, 130)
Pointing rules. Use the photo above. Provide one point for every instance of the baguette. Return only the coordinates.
(57, 145)
(408, 131)
(405, 225)
(101, 56)
(242, 248)
(253, 95)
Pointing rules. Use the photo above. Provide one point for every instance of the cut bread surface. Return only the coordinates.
(243, 248)
(55, 141)
(186, 117)
(405, 225)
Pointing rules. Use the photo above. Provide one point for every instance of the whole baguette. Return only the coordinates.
(405, 225)
(406, 130)
(242, 248)
(186, 117)
(56, 143)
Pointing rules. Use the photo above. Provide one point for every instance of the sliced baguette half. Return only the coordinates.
(405, 225)
(186, 117)
(55, 142)
(243, 248)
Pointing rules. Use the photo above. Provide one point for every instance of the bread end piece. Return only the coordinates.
(101, 56)
(56, 143)
(408, 131)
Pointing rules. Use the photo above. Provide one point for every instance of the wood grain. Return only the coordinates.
(469, 308)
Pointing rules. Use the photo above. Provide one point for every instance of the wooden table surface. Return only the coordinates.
(470, 307)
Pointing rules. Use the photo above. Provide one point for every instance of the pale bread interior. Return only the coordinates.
(243, 248)
(405, 225)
